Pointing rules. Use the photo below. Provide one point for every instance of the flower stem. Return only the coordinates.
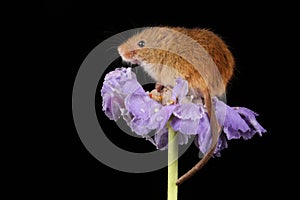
(172, 164)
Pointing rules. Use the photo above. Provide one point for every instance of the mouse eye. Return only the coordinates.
(141, 43)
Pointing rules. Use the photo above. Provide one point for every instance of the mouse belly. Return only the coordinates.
(163, 75)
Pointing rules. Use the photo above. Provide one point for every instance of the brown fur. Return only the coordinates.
(213, 44)
(165, 66)
(216, 48)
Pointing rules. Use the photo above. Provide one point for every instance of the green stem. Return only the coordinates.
(172, 164)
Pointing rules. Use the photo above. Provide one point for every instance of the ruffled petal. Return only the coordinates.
(113, 92)
(204, 135)
(122, 95)
(142, 108)
(160, 118)
(187, 126)
(187, 118)
(111, 105)
(180, 90)
(237, 121)
(147, 114)
(141, 105)
(161, 139)
(222, 144)
(249, 117)
(189, 111)
(139, 126)
(233, 123)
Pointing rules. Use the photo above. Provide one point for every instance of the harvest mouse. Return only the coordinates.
(159, 53)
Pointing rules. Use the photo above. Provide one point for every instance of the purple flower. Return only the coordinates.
(187, 118)
(237, 121)
(117, 85)
(123, 96)
(222, 144)
(161, 139)
(249, 117)
(180, 90)
(112, 105)
(204, 138)
(233, 123)
(147, 114)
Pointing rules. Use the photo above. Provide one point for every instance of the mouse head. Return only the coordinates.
(147, 46)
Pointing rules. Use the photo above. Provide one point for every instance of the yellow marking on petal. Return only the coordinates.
(170, 102)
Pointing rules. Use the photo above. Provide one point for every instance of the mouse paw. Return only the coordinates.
(159, 87)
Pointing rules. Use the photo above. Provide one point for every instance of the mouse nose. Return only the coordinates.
(129, 54)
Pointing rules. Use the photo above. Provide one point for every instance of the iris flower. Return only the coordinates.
(123, 96)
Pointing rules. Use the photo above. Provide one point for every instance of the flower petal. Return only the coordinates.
(187, 126)
(159, 119)
(249, 117)
(238, 121)
(131, 86)
(111, 105)
(222, 144)
(141, 107)
(187, 118)
(204, 136)
(189, 111)
(137, 125)
(147, 114)
(122, 95)
(180, 89)
(117, 78)
(233, 123)
(161, 138)
(113, 91)
(183, 138)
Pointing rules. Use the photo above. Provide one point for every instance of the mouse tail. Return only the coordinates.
(215, 130)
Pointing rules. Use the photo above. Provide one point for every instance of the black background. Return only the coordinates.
(250, 168)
